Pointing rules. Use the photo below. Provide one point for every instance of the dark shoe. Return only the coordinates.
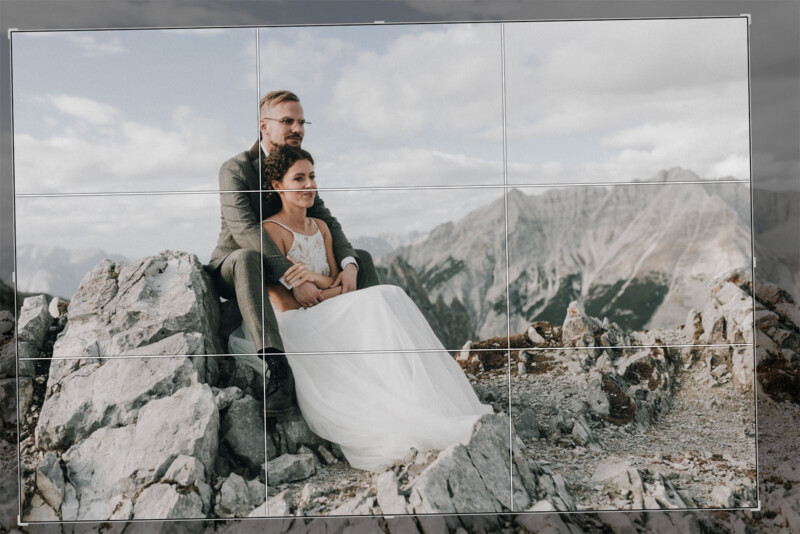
(279, 398)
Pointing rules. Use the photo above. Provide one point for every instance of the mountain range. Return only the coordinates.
(640, 255)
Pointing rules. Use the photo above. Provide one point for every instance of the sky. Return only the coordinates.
(391, 106)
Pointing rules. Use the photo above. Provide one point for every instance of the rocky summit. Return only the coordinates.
(128, 409)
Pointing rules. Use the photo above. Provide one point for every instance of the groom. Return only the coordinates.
(245, 252)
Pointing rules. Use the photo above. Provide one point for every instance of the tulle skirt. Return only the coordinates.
(369, 377)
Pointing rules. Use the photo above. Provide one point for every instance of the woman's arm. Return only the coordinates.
(328, 239)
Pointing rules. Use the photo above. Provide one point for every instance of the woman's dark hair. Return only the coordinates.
(275, 166)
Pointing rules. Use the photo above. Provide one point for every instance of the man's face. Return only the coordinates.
(280, 125)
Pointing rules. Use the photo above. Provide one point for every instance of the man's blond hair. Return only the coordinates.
(273, 98)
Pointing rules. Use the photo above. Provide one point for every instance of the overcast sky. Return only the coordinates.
(400, 106)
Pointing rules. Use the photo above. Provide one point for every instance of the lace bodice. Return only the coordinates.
(308, 250)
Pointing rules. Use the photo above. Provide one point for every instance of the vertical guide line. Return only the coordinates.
(15, 276)
(752, 258)
(508, 305)
(261, 243)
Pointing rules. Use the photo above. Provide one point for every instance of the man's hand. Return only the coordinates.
(307, 294)
(347, 278)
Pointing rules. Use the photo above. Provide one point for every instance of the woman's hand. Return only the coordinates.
(298, 273)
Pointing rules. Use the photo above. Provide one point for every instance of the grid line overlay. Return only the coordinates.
(505, 187)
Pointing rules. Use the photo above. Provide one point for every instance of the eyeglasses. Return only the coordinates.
(286, 121)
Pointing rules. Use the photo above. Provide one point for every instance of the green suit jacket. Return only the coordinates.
(243, 210)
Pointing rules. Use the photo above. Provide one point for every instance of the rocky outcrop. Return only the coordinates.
(121, 307)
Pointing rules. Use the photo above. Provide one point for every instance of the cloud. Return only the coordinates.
(99, 154)
(130, 225)
(292, 57)
(442, 80)
(94, 46)
(406, 167)
(85, 109)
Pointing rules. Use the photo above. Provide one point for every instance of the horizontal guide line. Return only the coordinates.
(372, 23)
(370, 189)
(384, 352)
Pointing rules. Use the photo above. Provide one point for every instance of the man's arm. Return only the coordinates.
(243, 223)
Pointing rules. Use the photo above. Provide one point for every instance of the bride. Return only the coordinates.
(361, 377)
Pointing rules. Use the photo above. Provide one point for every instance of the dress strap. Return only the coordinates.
(283, 225)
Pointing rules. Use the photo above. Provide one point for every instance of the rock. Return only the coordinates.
(291, 432)
(621, 478)
(238, 498)
(582, 435)
(326, 455)
(120, 307)
(185, 471)
(542, 506)
(463, 355)
(163, 501)
(290, 468)
(69, 507)
(114, 462)
(521, 369)
(728, 312)
(722, 497)
(527, 424)
(243, 428)
(34, 320)
(106, 395)
(50, 480)
(771, 295)
(40, 511)
(225, 397)
(390, 500)
(468, 476)
(789, 314)
(8, 401)
(577, 330)
(56, 307)
(281, 504)
(534, 336)
(6, 322)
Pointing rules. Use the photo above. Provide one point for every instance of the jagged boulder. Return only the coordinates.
(110, 467)
(103, 394)
(34, 320)
(119, 307)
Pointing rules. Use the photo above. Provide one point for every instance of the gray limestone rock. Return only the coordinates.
(55, 307)
(113, 463)
(390, 499)
(469, 475)
(164, 501)
(243, 428)
(120, 307)
(290, 468)
(621, 478)
(50, 480)
(34, 320)
(186, 471)
(238, 498)
(106, 395)
(577, 330)
(291, 432)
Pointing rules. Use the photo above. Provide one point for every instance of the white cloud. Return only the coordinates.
(405, 167)
(131, 225)
(95, 46)
(440, 80)
(292, 57)
(123, 154)
(85, 109)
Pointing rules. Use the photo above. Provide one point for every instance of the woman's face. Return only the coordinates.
(298, 186)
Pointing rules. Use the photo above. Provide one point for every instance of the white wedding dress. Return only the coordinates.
(376, 404)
